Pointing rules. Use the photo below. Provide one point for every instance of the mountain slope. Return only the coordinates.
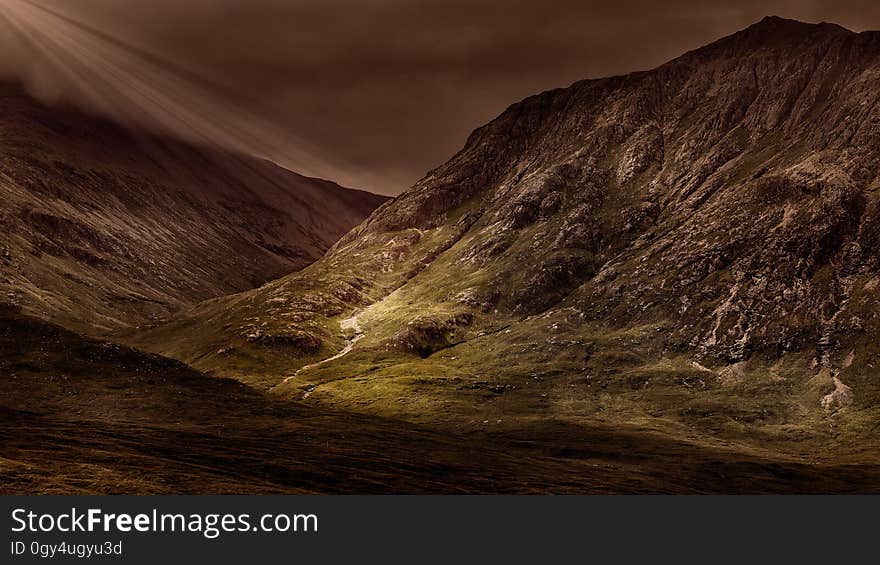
(106, 228)
(690, 250)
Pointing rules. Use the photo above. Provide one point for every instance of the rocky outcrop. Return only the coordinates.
(840, 397)
(426, 335)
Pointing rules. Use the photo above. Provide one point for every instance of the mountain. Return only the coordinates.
(105, 228)
(689, 251)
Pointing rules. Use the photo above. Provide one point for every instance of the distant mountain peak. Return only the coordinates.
(771, 24)
(775, 29)
(774, 32)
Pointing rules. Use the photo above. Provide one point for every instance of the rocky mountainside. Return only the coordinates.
(105, 228)
(733, 190)
(692, 249)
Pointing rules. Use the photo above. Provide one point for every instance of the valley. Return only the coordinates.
(662, 282)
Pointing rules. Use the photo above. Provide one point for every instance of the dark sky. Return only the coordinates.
(384, 90)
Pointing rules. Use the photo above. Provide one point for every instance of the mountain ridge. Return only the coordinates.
(738, 41)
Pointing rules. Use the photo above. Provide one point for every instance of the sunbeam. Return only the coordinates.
(70, 59)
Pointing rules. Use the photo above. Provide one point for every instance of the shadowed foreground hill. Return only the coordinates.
(83, 416)
(691, 251)
(103, 228)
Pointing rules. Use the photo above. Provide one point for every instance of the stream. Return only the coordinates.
(349, 324)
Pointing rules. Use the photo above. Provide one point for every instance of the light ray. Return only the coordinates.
(111, 77)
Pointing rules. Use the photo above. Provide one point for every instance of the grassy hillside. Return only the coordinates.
(82, 416)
